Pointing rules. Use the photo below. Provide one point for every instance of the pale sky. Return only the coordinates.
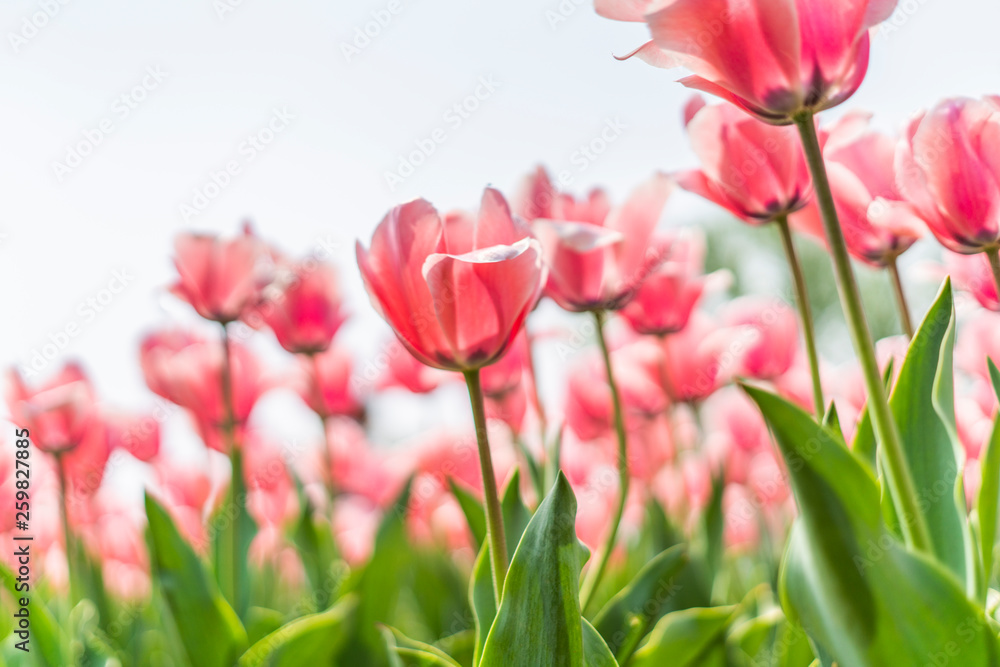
(176, 91)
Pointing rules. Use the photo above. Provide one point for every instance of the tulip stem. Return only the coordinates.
(596, 570)
(491, 499)
(805, 313)
(994, 256)
(900, 480)
(237, 487)
(68, 543)
(897, 288)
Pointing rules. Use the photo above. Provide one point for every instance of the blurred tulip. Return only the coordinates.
(187, 491)
(755, 171)
(949, 169)
(186, 370)
(599, 264)
(58, 413)
(703, 357)
(774, 60)
(455, 291)
(221, 279)
(666, 299)
(774, 351)
(326, 384)
(404, 370)
(306, 313)
(973, 274)
(878, 224)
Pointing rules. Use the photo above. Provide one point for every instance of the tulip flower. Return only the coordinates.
(404, 370)
(456, 291)
(973, 274)
(185, 369)
(600, 263)
(775, 60)
(58, 413)
(221, 279)
(325, 384)
(759, 173)
(669, 295)
(774, 351)
(306, 313)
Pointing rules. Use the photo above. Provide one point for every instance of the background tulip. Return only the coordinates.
(306, 313)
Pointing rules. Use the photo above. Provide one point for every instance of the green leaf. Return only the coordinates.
(534, 469)
(855, 589)
(412, 653)
(516, 514)
(473, 510)
(831, 420)
(46, 636)
(684, 638)
(864, 444)
(314, 639)
(539, 621)
(988, 502)
(209, 628)
(313, 538)
(261, 622)
(233, 516)
(596, 652)
(638, 604)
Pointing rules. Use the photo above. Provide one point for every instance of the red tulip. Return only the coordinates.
(221, 279)
(756, 171)
(404, 370)
(600, 265)
(59, 413)
(455, 291)
(666, 299)
(878, 224)
(307, 313)
(325, 383)
(949, 169)
(773, 59)
(187, 370)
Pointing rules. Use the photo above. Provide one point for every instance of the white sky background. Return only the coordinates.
(323, 176)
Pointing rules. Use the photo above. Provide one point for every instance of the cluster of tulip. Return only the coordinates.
(743, 501)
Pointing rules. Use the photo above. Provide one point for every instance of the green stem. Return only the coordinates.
(237, 488)
(70, 546)
(805, 313)
(491, 499)
(596, 570)
(887, 433)
(994, 256)
(897, 288)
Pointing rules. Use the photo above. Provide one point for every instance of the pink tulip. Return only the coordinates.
(741, 532)
(703, 357)
(187, 492)
(325, 383)
(755, 171)
(773, 59)
(600, 265)
(187, 370)
(404, 370)
(774, 351)
(539, 199)
(665, 301)
(306, 313)
(978, 340)
(878, 224)
(58, 413)
(974, 275)
(221, 279)
(455, 291)
(949, 169)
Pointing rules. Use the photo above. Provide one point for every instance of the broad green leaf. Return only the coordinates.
(539, 622)
(314, 639)
(831, 420)
(713, 523)
(262, 622)
(314, 541)
(596, 652)
(638, 604)
(988, 502)
(209, 628)
(231, 517)
(473, 510)
(855, 589)
(685, 638)
(412, 653)
(46, 638)
(461, 646)
(516, 514)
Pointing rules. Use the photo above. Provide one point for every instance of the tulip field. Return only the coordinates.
(677, 474)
